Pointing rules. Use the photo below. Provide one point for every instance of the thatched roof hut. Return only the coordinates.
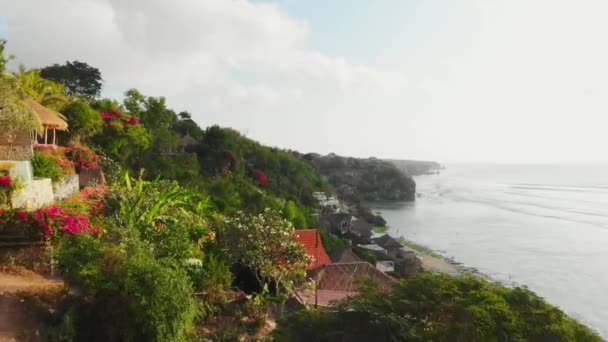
(187, 141)
(49, 119)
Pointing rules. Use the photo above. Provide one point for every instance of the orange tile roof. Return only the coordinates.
(311, 239)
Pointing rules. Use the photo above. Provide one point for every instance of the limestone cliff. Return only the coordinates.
(355, 180)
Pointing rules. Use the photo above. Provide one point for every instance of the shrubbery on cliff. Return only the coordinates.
(432, 307)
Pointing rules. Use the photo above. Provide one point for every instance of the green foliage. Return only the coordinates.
(80, 79)
(332, 242)
(124, 143)
(135, 296)
(169, 217)
(432, 307)
(266, 244)
(380, 229)
(224, 152)
(45, 167)
(113, 171)
(137, 273)
(3, 59)
(84, 121)
(46, 92)
(16, 117)
(295, 215)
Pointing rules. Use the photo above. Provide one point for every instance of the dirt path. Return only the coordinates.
(22, 280)
(20, 293)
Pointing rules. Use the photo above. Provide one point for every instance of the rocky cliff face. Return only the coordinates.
(371, 179)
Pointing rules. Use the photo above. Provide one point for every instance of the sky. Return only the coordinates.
(451, 81)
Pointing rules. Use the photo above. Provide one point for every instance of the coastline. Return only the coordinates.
(434, 262)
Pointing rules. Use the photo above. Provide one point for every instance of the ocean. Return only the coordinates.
(543, 226)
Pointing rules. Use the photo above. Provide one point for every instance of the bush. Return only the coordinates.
(266, 244)
(133, 296)
(432, 307)
(45, 167)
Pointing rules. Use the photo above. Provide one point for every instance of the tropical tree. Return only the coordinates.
(16, 117)
(79, 78)
(266, 244)
(3, 59)
(84, 121)
(46, 92)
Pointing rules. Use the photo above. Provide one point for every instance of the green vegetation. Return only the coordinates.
(431, 307)
(79, 78)
(155, 257)
(332, 242)
(45, 167)
(380, 229)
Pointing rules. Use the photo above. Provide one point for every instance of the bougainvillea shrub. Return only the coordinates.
(74, 216)
(56, 155)
(112, 117)
(262, 178)
(82, 157)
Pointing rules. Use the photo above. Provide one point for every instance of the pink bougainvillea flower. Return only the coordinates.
(261, 176)
(6, 181)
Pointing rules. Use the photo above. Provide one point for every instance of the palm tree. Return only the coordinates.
(46, 92)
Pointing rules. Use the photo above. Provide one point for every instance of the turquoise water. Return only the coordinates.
(544, 226)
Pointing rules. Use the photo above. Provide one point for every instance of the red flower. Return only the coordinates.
(261, 176)
(133, 120)
(22, 215)
(6, 181)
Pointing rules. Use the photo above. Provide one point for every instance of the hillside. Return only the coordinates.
(355, 180)
(191, 235)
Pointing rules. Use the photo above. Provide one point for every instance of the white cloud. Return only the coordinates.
(494, 80)
(241, 64)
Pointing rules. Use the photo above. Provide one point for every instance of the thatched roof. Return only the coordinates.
(48, 117)
(187, 140)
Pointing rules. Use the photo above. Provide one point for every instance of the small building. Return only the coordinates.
(51, 121)
(319, 196)
(389, 243)
(384, 262)
(186, 143)
(331, 202)
(336, 223)
(338, 281)
(360, 231)
(311, 239)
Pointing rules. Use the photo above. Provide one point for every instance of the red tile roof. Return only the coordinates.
(311, 239)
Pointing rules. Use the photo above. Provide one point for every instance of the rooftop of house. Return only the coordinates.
(311, 239)
(345, 276)
(187, 140)
(339, 281)
(361, 228)
(344, 254)
(378, 252)
(388, 242)
(48, 117)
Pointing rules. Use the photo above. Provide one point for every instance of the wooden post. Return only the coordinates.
(46, 129)
(54, 135)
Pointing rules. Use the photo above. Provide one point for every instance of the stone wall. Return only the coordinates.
(34, 195)
(20, 149)
(91, 177)
(67, 186)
